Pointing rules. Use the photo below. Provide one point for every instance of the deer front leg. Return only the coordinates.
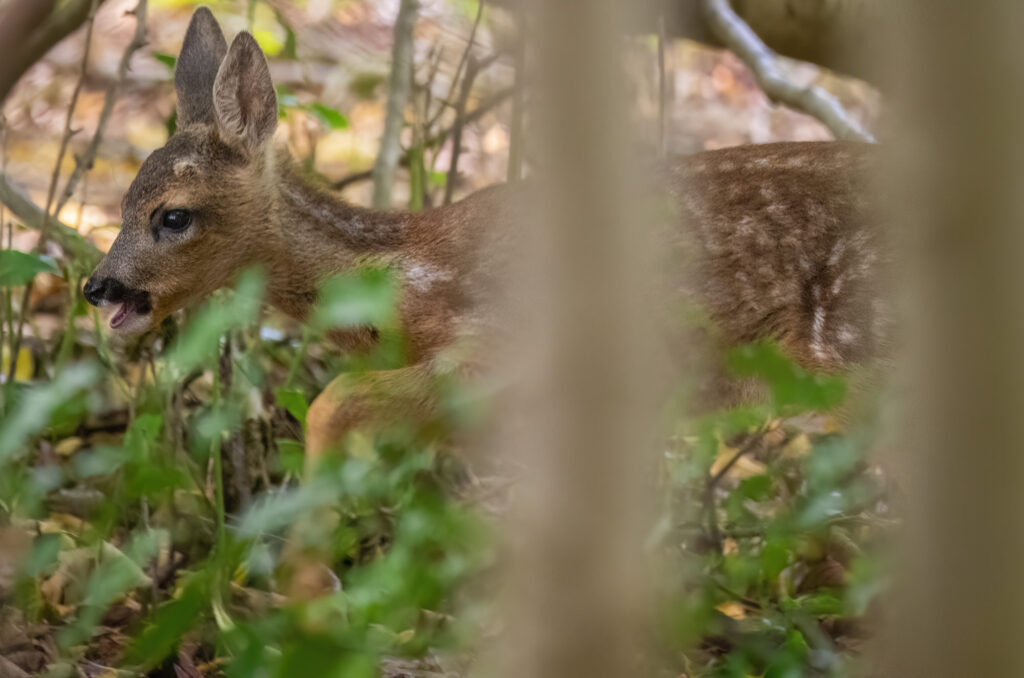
(362, 401)
(367, 401)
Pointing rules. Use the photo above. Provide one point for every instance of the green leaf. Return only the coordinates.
(364, 298)
(774, 559)
(198, 344)
(166, 59)
(790, 384)
(172, 621)
(757, 488)
(331, 118)
(33, 411)
(19, 268)
(294, 401)
(820, 604)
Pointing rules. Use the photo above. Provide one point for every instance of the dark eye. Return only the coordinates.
(177, 220)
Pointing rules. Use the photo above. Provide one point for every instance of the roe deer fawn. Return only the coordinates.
(779, 240)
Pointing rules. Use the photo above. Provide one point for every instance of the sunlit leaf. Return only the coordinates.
(294, 401)
(19, 268)
(331, 118)
(166, 59)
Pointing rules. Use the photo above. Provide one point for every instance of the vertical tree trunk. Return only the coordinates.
(959, 168)
(398, 95)
(578, 572)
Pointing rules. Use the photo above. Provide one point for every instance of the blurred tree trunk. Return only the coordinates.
(578, 569)
(398, 96)
(959, 166)
(29, 28)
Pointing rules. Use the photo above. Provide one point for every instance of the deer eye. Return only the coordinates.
(177, 220)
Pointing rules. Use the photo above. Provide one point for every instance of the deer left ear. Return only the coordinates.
(243, 96)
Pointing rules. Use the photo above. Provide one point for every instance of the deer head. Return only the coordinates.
(200, 208)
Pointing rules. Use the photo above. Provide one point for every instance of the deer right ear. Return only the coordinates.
(201, 53)
(244, 96)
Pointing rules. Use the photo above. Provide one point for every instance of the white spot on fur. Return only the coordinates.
(423, 276)
(837, 252)
(817, 332)
(183, 165)
(847, 335)
(837, 286)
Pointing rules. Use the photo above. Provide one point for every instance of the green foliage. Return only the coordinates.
(778, 562)
(362, 298)
(792, 387)
(19, 268)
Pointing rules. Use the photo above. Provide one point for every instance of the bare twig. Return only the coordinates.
(463, 60)
(33, 216)
(398, 96)
(44, 227)
(68, 130)
(480, 111)
(460, 121)
(714, 532)
(29, 28)
(83, 162)
(728, 27)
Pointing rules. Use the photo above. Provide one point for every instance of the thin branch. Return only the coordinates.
(69, 132)
(33, 216)
(458, 69)
(28, 30)
(84, 162)
(457, 127)
(44, 227)
(480, 111)
(398, 96)
(735, 34)
(752, 443)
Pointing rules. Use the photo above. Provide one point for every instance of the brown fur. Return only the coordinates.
(777, 238)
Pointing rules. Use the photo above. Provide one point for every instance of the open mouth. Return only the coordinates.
(128, 315)
(134, 307)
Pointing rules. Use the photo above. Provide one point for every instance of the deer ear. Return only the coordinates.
(200, 57)
(243, 96)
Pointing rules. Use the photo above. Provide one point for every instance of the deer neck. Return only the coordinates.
(316, 235)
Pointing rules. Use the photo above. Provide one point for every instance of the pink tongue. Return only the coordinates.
(118, 318)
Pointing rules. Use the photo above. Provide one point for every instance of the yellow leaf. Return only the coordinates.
(268, 42)
(733, 609)
(744, 467)
(798, 447)
(68, 446)
(26, 365)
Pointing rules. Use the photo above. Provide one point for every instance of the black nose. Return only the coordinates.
(95, 290)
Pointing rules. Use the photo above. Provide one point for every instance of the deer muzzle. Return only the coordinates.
(134, 305)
